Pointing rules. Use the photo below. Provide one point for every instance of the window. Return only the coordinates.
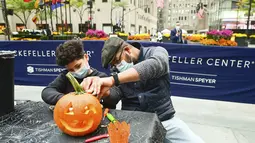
(185, 18)
(130, 1)
(179, 18)
(104, 0)
(117, 0)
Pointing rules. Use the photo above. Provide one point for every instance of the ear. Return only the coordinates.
(86, 57)
(127, 49)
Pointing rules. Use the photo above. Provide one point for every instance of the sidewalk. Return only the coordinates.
(213, 121)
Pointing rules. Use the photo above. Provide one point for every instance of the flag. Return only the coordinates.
(200, 13)
(36, 4)
(27, 0)
(57, 5)
(160, 3)
(35, 19)
(54, 1)
(41, 2)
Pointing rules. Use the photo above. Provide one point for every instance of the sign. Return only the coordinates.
(35, 61)
(205, 72)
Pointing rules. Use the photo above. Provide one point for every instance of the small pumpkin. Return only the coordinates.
(77, 113)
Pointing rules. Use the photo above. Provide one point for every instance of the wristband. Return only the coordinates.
(116, 79)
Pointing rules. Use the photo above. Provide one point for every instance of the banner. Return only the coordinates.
(205, 72)
(35, 62)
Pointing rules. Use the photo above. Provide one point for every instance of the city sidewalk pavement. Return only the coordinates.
(213, 121)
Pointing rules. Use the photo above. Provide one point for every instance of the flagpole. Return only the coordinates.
(70, 17)
(66, 16)
(4, 9)
(56, 15)
(61, 16)
(45, 12)
(248, 20)
(41, 16)
(51, 21)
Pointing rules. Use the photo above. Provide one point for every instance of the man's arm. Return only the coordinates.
(173, 35)
(156, 65)
(54, 91)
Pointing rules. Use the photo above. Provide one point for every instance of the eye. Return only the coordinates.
(69, 109)
(77, 66)
(89, 108)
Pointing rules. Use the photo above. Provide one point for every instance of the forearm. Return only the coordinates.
(130, 75)
(155, 66)
(51, 96)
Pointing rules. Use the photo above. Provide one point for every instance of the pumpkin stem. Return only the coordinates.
(78, 89)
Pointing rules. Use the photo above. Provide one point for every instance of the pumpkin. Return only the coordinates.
(77, 113)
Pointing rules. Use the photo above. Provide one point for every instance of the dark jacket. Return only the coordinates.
(152, 92)
(61, 86)
(174, 38)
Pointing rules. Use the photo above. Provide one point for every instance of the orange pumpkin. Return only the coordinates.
(77, 113)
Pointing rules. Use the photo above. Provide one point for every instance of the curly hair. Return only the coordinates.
(69, 51)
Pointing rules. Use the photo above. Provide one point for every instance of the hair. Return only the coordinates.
(69, 51)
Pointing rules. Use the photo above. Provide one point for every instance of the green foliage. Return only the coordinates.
(243, 5)
(123, 4)
(78, 3)
(79, 6)
(20, 5)
(21, 9)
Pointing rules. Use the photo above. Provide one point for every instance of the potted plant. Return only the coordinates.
(240, 39)
(166, 37)
(252, 39)
(95, 35)
(123, 36)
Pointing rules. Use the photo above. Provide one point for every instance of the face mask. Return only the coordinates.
(82, 72)
(124, 66)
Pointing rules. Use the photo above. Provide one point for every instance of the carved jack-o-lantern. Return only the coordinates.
(77, 113)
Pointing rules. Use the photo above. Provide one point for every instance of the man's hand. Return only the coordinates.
(97, 86)
(177, 34)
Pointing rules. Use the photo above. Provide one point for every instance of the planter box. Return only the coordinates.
(194, 43)
(166, 39)
(252, 41)
(125, 38)
(241, 41)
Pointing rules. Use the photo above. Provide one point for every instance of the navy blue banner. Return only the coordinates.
(205, 72)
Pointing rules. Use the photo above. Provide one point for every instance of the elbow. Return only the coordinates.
(47, 98)
(44, 97)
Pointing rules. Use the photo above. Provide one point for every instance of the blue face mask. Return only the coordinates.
(124, 65)
(82, 72)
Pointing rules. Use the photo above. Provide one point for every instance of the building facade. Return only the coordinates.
(139, 16)
(224, 14)
(184, 11)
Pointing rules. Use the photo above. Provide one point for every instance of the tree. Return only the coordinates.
(243, 5)
(23, 10)
(114, 5)
(79, 6)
